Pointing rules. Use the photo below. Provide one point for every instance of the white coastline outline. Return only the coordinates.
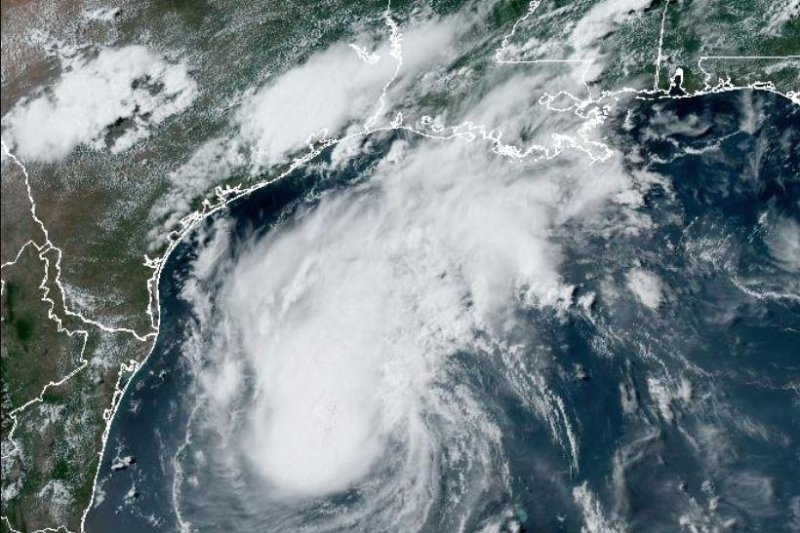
(224, 195)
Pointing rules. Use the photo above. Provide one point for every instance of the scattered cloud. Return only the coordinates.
(210, 165)
(595, 520)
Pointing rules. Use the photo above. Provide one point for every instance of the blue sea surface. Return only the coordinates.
(684, 415)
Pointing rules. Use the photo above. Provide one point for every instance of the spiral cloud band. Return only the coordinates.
(333, 347)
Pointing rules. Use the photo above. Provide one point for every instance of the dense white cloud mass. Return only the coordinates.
(130, 86)
(601, 19)
(548, 125)
(580, 40)
(646, 286)
(336, 86)
(345, 319)
(588, 36)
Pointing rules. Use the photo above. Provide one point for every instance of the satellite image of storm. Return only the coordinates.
(400, 266)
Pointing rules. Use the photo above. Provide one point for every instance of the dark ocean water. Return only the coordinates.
(684, 416)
